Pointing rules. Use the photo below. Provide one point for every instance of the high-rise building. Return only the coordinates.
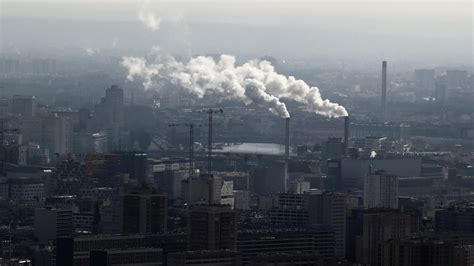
(423, 252)
(144, 211)
(425, 79)
(170, 181)
(329, 209)
(113, 104)
(334, 175)
(384, 91)
(23, 105)
(456, 79)
(269, 178)
(204, 189)
(57, 134)
(105, 168)
(441, 90)
(205, 257)
(377, 227)
(110, 117)
(381, 190)
(458, 218)
(53, 223)
(334, 148)
(275, 240)
(211, 227)
(315, 208)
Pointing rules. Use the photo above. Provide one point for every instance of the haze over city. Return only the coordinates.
(236, 132)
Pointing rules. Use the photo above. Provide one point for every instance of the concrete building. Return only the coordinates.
(334, 148)
(355, 170)
(204, 189)
(381, 190)
(254, 242)
(423, 252)
(53, 223)
(458, 218)
(133, 249)
(425, 79)
(57, 134)
(241, 200)
(170, 181)
(211, 227)
(24, 106)
(377, 227)
(329, 209)
(269, 178)
(26, 189)
(315, 208)
(205, 257)
(144, 211)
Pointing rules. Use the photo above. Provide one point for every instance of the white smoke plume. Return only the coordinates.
(255, 81)
(373, 154)
(148, 17)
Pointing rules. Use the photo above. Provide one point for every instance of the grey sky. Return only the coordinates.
(434, 31)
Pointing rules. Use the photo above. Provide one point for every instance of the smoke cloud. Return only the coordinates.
(148, 17)
(255, 81)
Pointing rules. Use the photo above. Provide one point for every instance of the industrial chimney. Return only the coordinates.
(384, 89)
(346, 133)
(287, 138)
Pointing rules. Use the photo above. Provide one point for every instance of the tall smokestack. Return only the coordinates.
(346, 134)
(287, 138)
(384, 89)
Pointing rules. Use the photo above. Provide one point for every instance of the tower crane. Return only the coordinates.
(191, 143)
(210, 112)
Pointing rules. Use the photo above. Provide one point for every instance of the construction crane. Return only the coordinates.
(191, 143)
(210, 112)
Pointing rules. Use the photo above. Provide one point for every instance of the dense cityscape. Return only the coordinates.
(150, 157)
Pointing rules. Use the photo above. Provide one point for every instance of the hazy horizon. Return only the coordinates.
(421, 32)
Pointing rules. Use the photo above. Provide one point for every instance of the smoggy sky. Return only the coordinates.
(434, 32)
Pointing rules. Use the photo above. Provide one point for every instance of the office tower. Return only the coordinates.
(110, 117)
(132, 249)
(105, 168)
(441, 90)
(425, 79)
(53, 223)
(57, 134)
(423, 252)
(457, 218)
(211, 227)
(65, 251)
(381, 190)
(205, 257)
(269, 178)
(113, 104)
(289, 209)
(329, 208)
(334, 175)
(384, 90)
(241, 199)
(289, 258)
(135, 164)
(456, 80)
(26, 189)
(227, 193)
(275, 240)
(334, 148)
(170, 181)
(144, 211)
(24, 106)
(204, 189)
(377, 227)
